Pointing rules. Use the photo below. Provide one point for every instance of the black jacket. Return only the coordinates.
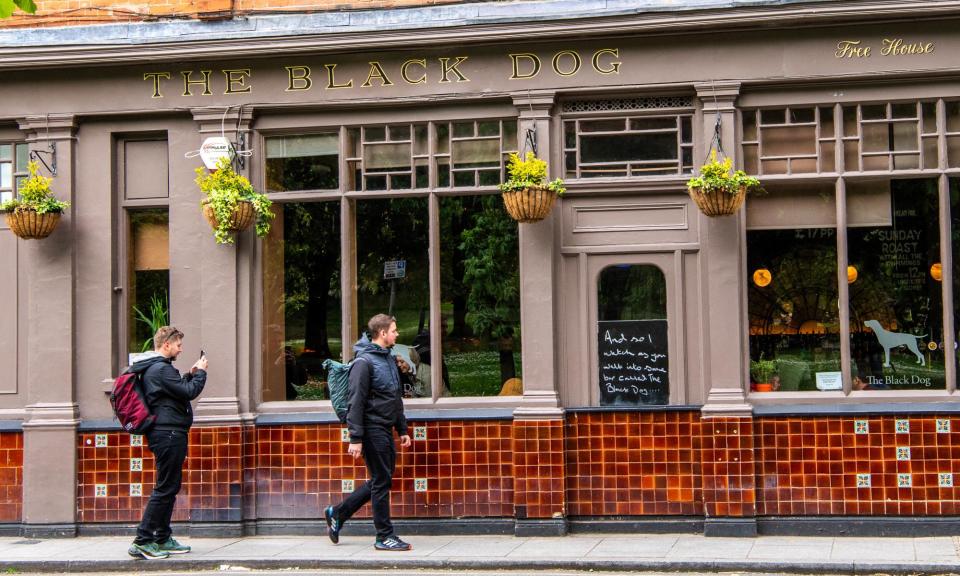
(168, 394)
(376, 395)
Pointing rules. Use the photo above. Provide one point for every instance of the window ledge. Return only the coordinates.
(943, 406)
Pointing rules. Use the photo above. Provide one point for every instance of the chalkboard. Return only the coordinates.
(633, 362)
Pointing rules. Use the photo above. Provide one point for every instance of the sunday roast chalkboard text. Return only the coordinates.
(633, 362)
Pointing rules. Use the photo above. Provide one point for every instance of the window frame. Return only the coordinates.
(839, 178)
(348, 198)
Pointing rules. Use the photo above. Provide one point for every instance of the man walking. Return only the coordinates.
(374, 410)
(168, 394)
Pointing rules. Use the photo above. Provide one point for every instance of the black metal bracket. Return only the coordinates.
(51, 154)
(531, 140)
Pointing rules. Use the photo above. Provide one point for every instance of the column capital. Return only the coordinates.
(48, 127)
(718, 96)
(534, 103)
(213, 120)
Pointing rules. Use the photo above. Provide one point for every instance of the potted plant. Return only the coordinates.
(718, 190)
(232, 204)
(764, 373)
(35, 212)
(527, 195)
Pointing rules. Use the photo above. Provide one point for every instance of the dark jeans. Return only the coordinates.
(380, 455)
(169, 449)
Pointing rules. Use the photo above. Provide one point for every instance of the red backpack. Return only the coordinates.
(129, 405)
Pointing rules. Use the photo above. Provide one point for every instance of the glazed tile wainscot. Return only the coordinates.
(665, 469)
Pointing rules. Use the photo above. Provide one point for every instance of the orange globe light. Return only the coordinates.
(852, 274)
(936, 272)
(762, 277)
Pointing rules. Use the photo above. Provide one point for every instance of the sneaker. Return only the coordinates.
(333, 525)
(392, 543)
(150, 551)
(171, 546)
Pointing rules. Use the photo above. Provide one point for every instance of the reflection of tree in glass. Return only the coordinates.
(632, 292)
(492, 277)
(312, 268)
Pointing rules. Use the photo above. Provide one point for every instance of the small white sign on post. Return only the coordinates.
(829, 381)
(213, 149)
(393, 269)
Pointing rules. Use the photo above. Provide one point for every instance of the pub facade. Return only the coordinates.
(627, 363)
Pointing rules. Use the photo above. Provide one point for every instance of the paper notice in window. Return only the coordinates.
(829, 381)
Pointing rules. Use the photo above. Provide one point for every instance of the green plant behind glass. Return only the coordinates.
(159, 316)
(762, 370)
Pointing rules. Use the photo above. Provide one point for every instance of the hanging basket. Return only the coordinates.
(241, 218)
(718, 202)
(530, 204)
(30, 225)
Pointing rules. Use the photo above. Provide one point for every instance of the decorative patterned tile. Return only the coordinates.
(943, 426)
(861, 427)
(101, 440)
(100, 491)
(945, 479)
(863, 480)
(419, 484)
(136, 440)
(903, 426)
(346, 486)
(903, 452)
(904, 480)
(136, 490)
(344, 435)
(419, 432)
(136, 464)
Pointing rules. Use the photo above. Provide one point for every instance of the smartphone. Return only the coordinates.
(202, 353)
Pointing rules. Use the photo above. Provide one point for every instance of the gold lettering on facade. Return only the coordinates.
(534, 63)
(188, 81)
(446, 68)
(331, 79)
(614, 67)
(851, 49)
(405, 71)
(575, 59)
(237, 81)
(156, 76)
(376, 71)
(897, 47)
(298, 78)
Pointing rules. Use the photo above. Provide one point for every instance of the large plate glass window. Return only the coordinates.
(301, 304)
(480, 291)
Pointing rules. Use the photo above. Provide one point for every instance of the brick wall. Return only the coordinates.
(78, 12)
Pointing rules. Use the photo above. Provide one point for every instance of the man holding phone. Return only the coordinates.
(168, 395)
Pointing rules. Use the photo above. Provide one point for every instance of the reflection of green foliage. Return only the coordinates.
(156, 316)
(492, 271)
(632, 292)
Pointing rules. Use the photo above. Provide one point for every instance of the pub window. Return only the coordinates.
(148, 280)
(632, 335)
(13, 169)
(788, 140)
(480, 297)
(952, 274)
(887, 136)
(303, 162)
(792, 289)
(302, 303)
(472, 154)
(896, 315)
(391, 157)
(953, 134)
(393, 277)
(628, 146)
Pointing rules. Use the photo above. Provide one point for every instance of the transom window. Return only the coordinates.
(891, 136)
(628, 146)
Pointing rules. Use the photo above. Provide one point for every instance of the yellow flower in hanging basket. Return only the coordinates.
(527, 195)
(719, 190)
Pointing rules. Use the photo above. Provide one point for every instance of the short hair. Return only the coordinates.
(379, 323)
(166, 334)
